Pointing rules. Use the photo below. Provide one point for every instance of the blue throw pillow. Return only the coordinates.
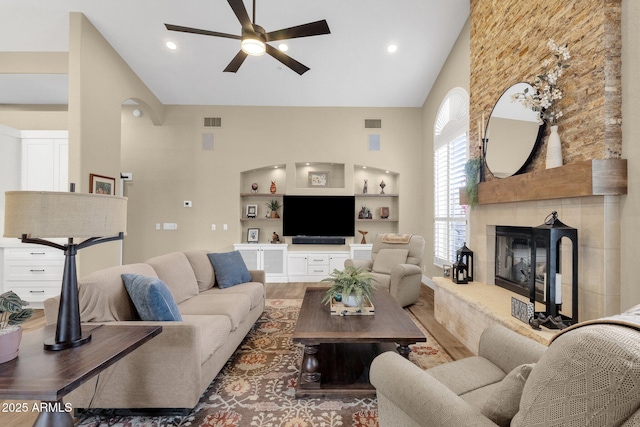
(151, 297)
(229, 268)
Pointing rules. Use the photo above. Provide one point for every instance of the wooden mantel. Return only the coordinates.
(595, 177)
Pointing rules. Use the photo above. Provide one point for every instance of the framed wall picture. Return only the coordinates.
(318, 179)
(99, 184)
(253, 235)
(252, 211)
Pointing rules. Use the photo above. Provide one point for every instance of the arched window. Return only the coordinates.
(449, 158)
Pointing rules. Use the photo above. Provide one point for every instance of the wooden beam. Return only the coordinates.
(580, 179)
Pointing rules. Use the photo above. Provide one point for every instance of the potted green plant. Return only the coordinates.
(274, 205)
(472, 173)
(351, 285)
(12, 313)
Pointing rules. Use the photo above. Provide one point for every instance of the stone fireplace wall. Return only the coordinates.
(508, 44)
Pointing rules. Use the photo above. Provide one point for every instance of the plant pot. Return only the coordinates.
(10, 343)
(353, 301)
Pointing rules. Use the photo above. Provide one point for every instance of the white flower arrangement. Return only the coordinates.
(546, 93)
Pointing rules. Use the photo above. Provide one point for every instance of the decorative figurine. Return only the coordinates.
(365, 189)
(364, 233)
(382, 185)
(272, 189)
(365, 213)
(275, 238)
(254, 187)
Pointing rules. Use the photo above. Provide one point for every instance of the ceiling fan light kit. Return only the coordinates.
(254, 38)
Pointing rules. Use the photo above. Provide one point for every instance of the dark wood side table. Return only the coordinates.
(39, 374)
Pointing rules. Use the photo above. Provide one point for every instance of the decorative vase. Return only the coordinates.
(10, 343)
(554, 149)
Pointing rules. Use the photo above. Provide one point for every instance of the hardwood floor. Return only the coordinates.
(422, 310)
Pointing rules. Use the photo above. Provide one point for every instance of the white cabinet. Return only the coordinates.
(33, 272)
(272, 258)
(361, 251)
(314, 266)
(45, 160)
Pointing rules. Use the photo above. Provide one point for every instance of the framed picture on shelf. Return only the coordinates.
(252, 211)
(318, 179)
(253, 235)
(99, 184)
(384, 212)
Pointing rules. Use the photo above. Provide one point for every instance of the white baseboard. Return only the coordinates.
(428, 282)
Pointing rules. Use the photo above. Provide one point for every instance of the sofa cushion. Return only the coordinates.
(465, 375)
(229, 268)
(254, 290)
(202, 268)
(175, 271)
(103, 297)
(213, 332)
(152, 298)
(234, 306)
(387, 258)
(587, 376)
(504, 400)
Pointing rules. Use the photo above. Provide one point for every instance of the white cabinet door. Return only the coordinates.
(336, 261)
(45, 160)
(297, 264)
(270, 258)
(251, 256)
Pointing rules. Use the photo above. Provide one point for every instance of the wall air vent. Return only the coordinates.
(372, 123)
(212, 122)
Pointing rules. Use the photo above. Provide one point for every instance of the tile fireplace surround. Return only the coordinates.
(596, 217)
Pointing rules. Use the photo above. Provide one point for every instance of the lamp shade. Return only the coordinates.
(50, 214)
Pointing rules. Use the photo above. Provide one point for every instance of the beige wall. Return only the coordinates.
(99, 81)
(630, 204)
(455, 73)
(169, 166)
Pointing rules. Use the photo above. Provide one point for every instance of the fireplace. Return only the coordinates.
(513, 269)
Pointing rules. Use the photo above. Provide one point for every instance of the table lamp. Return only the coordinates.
(96, 218)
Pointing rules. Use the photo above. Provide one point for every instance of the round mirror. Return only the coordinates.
(512, 134)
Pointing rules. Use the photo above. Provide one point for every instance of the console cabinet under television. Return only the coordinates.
(272, 258)
(313, 266)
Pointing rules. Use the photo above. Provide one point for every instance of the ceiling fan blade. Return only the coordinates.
(317, 28)
(287, 60)
(236, 62)
(171, 27)
(241, 13)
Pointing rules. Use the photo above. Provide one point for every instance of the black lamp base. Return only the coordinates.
(51, 344)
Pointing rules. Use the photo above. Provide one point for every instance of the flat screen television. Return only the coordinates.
(323, 216)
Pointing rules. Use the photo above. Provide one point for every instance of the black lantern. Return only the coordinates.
(547, 249)
(465, 255)
(459, 273)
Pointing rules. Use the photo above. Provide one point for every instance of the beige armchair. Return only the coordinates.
(396, 265)
(589, 375)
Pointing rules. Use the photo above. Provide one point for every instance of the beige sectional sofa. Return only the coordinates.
(173, 369)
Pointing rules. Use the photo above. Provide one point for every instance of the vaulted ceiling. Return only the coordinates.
(349, 67)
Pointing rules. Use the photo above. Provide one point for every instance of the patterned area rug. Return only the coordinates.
(257, 386)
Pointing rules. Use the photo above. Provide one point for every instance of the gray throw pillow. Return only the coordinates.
(504, 402)
(229, 268)
(151, 297)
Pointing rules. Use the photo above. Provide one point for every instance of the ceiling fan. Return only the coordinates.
(254, 40)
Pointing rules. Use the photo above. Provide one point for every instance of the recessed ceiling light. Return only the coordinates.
(283, 47)
(171, 45)
(392, 48)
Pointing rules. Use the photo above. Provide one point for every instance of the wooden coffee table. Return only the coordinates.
(339, 349)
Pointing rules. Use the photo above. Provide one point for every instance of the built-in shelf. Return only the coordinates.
(376, 220)
(597, 177)
(261, 195)
(376, 195)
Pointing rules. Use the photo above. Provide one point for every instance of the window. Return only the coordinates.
(449, 157)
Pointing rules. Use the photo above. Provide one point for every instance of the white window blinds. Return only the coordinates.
(450, 157)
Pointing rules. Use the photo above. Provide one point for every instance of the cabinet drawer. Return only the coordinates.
(46, 254)
(314, 270)
(32, 270)
(34, 291)
(318, 259)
